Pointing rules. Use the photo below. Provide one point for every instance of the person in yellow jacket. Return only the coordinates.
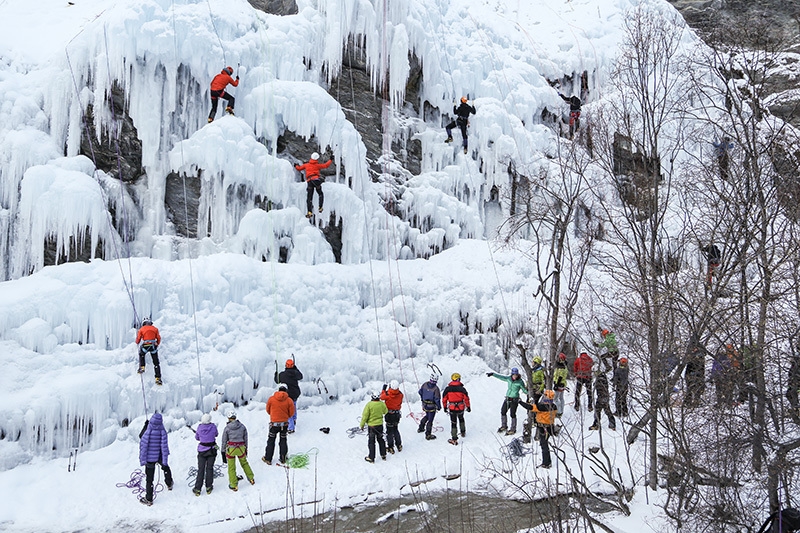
(545, 411)
(372, 417)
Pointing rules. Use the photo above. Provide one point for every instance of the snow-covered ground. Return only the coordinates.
(226, 317)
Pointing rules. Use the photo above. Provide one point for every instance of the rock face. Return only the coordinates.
(275, 7)
(182, 209)
(125, 165)
(780, 20)
(363, 108)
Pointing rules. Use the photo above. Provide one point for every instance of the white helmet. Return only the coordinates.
(394, 384)
(283, 386)
(146, 321)
(205, 419)
(230, 414)
(315, 155)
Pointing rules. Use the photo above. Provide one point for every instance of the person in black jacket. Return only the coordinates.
(462, 113)
(794, 387)
(620, 382)
(574, 112)
(290, 377)
(601, 403)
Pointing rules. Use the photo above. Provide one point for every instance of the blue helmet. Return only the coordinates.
(515, 370)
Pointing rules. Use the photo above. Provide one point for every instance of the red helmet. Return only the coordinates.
(228, 70)
(289, 363)
(562, 356)
(604, 333)
(463, 99)
(623, 361)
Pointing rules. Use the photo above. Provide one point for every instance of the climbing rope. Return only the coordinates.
(136, 482)
(300, 460)
(191, 475)
(112, 231)
(186, 218)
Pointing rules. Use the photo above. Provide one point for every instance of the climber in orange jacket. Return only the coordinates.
(314, 181)
(218, 85)
(150, 338)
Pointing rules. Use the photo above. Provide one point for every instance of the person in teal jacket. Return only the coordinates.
(372, 417)
(511, 400)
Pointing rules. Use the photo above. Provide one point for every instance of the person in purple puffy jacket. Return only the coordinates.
(154, 448)
(206, 454)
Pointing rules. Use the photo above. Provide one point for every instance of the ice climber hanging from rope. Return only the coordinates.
(218, 85)
(462, 113)
(314, 181)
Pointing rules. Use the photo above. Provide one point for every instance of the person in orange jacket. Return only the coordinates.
(394, 401)
(280, 409)
(218, 85)
(314, 181)
(150, 339)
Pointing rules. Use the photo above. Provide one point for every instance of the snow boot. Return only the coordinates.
(464, 433)
(383, 457)
(158, 381)
(513, 427)
(369, 459)
(448, 140)
(594, 427)
(252, 480)
(612, 428)
(196, 492)
(390, 450)
(229, 109)
(309, 214)
(399, 447)
(590, 408)
(320, 209)
(465, 150)
(210, 120)
(234, 489)
(511, 431)
(265, 460)
(430, 437)
(209, 489)
(544, 465)
(146, 502)
(502, 429)
(454, 442)
(141, 370)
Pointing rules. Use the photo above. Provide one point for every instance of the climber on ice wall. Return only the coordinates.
(218, 85)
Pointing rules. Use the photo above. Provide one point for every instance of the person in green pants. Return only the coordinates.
(511, 399)
(372, 417)
(234, 442)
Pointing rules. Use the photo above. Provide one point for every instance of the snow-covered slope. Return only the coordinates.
(226, 307)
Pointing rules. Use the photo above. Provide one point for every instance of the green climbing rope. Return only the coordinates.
(300, 460)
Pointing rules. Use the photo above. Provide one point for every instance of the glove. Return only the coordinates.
(237, 78)
(490, 374)
(469, 410)
(225, 458)
(446, 411)
(384, 386)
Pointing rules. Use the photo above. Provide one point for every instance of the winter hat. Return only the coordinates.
(434, 378)
(394, 384)
(375, 396)
(562, 356)
(205, 419)
(283, 386)
(231, 414)
(315, 155)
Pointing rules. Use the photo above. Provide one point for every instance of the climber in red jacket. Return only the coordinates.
(314, 181)
(218, 85)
